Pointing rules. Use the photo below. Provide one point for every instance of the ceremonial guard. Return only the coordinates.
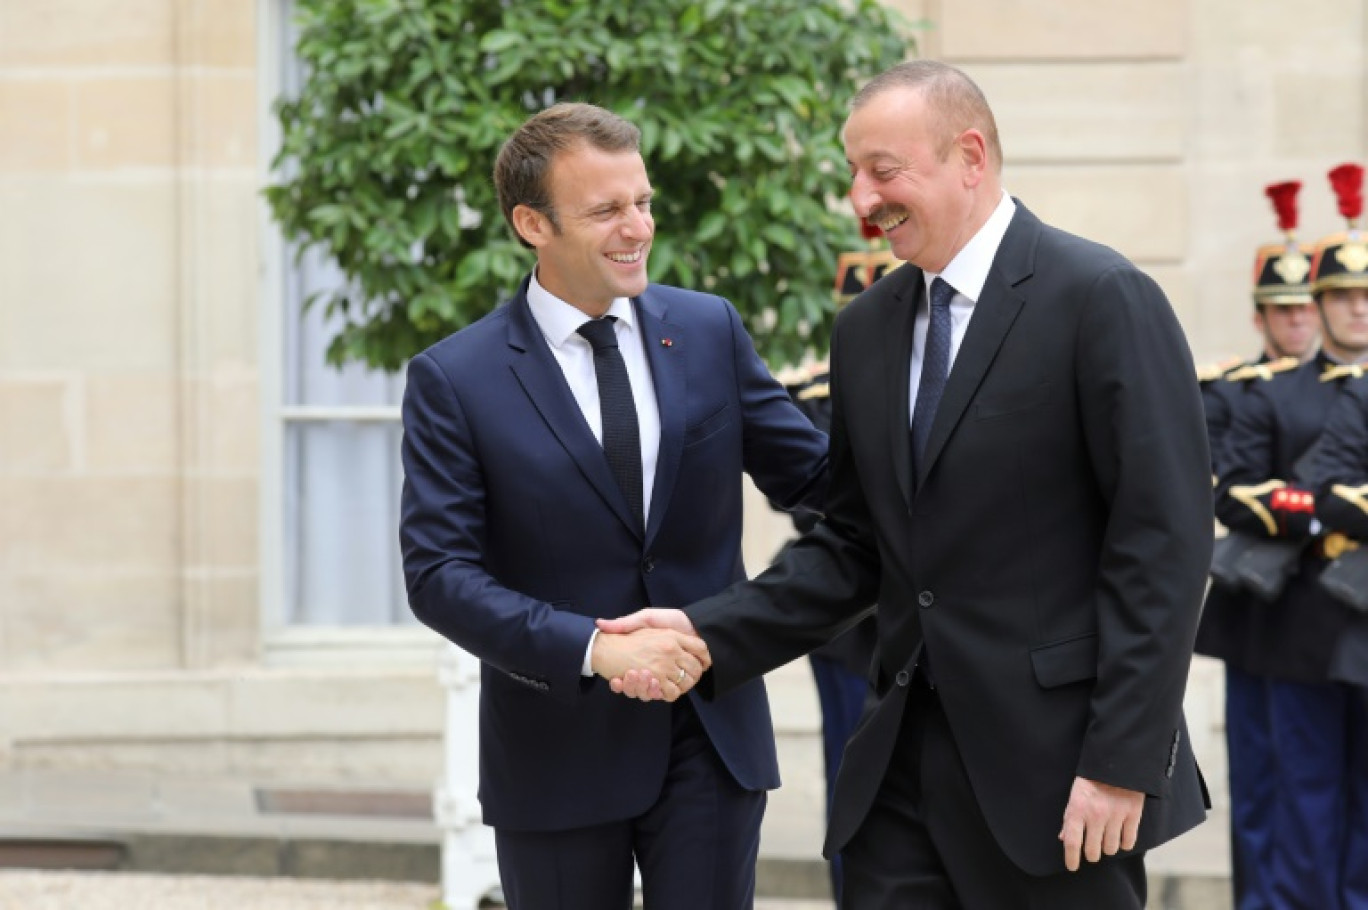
(1265, 495)
(1340, 476)
(1285, 317)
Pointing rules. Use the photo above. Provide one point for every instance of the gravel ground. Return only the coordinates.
(25, 890)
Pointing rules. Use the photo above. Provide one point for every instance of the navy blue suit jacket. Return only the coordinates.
(515, 537)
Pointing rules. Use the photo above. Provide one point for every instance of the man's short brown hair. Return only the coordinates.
(523, 167)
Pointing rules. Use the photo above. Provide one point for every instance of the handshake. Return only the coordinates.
(653, 654)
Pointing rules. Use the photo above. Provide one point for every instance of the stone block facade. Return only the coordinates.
(136, 334)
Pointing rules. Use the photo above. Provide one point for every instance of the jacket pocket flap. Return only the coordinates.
(1064, 662)
(708, 425)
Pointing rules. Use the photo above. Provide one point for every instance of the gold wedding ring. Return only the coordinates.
(679, 680)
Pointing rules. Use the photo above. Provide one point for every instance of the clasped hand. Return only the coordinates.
(652, 655)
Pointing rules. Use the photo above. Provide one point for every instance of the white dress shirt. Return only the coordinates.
(559, 323)
(966, 273)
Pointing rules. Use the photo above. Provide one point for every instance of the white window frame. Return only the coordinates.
(284, 644)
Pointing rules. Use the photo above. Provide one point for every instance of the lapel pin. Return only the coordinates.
(666, 343)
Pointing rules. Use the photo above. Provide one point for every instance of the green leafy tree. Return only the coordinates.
(387, 152)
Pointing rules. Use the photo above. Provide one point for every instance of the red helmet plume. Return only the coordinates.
(1284, 198)
(1347, 182)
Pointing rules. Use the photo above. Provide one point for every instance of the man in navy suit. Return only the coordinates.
(578, 454)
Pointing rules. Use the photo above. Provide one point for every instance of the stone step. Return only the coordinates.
(781, 883)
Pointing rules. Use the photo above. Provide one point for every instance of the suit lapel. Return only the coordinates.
(898, 360)
(671, 388)
(542, 379)
(994, 313)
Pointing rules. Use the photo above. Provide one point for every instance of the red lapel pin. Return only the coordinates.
(666, 343)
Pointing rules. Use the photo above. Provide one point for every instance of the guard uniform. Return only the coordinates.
(1267, 490)
(1229, 625)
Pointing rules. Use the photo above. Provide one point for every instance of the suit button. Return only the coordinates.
(926, 599)
(902, 678)
(648, 565)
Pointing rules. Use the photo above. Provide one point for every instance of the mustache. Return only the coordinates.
(884, 213)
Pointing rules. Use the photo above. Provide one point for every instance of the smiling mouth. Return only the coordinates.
(890, 222)
(625, 258)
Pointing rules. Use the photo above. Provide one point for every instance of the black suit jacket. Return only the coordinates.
(1051, 555)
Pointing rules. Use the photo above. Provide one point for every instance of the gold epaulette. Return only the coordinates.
(816, 390)
(1342, 371)
(1264, 371)
(791, 376)
(1213, 371)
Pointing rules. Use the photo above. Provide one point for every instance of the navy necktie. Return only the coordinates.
(935, 369)
(621, 436)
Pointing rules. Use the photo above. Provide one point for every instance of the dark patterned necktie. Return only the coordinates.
(621, 436)
(935, 369)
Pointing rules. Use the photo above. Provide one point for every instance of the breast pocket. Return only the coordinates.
(1012, 401)
(709, 426)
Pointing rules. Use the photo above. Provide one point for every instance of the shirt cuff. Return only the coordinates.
(587, 668)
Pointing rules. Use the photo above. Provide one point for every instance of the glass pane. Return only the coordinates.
(341, 479)
(342, 564)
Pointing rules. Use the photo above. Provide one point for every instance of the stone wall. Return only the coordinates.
(133, 308)
(128, 321)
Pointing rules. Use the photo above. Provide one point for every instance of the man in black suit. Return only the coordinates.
(1021, 481)
(574, 454)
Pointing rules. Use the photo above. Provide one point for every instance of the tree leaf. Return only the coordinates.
(498, 41)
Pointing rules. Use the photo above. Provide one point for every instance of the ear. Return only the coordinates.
(973, 152)
(532, 225)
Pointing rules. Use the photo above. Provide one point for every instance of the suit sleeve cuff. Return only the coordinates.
(587, 667)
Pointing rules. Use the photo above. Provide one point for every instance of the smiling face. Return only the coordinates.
(927, 188)
(596, 248)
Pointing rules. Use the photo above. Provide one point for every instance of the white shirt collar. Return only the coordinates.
(559, 321)
(968, 271)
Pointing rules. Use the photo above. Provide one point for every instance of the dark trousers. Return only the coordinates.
(925, 844)
(1320, 841)
(696, 846)
(842, 696)
(1253, 778)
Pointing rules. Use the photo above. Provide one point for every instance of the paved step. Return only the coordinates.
(782, 883)
(129, 823)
